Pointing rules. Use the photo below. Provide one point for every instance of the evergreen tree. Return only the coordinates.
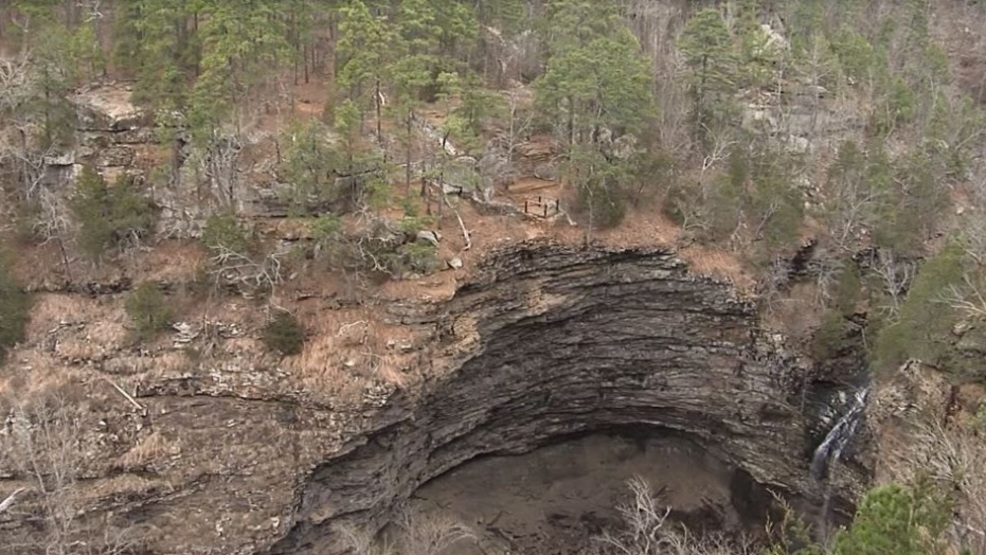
(899, 520)
(14, 306)
(605, 84)
(307, 165)
(109, 216)
(148, 310)
(925, 319)
(156, 40)
(419, 36)
(242, 44)
(708, 51)
(364, 48)
(572, 24)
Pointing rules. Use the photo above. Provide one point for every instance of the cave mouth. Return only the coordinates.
(558, 496)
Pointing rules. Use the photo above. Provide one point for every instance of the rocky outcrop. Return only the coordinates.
(545, 341)
(552, 341)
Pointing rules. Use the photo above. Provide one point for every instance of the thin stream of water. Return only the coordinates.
(830, 450)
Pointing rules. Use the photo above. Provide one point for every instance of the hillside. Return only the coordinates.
(241, 243)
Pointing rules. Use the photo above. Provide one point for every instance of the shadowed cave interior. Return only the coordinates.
(558, 497)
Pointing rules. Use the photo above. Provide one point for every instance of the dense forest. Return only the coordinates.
(844, 131)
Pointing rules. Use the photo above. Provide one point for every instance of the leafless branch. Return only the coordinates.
(953, 456)
(416, 534)
(46, 447)
(233, 266)
(462, 226)
(221, 167)
(968, 298)
(128, 397)
(9, 501)
(896, 276)
(647, 531)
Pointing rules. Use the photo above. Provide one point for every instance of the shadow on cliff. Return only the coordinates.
(550, 342)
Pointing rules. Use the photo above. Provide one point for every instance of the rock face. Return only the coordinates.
(545, 341)
(552, 341)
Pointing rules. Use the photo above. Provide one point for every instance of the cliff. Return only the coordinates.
(545, 341)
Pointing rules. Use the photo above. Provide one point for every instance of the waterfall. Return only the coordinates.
(839, 436)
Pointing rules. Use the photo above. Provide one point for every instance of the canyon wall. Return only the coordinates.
(553, 341)
(545, 341)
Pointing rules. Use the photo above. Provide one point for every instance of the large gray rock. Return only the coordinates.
(108, 108)
(599, 339)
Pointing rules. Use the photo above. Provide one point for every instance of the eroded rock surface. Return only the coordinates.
(553, 341)
(233, 456)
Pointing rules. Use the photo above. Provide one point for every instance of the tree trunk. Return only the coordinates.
(378, 100)
(571, 122)
(407, 155)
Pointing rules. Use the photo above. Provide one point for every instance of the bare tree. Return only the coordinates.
(968, 298)
(648, 531)
(896, 276)
(221, 168)
(518, 124)
(43, 448)
(954, 457)
(260, 272)
(415, 534)
(853, 206)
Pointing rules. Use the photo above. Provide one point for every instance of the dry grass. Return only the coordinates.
(799, 313)
(51, 309)
(165, 363)
(30, 373)
(150, 449)
(718, 263)
(170, 262)
(124, 484)
(348, 349)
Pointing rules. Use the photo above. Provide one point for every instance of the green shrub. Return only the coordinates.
(15, 305)
(149, 311)
(416, 257)
(904, 520)
(605, 204)
(285, 334)
(224, 231)
(110, 216)
(925, 324)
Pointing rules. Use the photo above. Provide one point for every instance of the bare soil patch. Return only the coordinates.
(553, 499)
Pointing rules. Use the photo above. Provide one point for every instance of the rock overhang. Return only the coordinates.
(548, 341)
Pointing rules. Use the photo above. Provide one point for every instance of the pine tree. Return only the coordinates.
(605, 84)
(419, 36)
(364, 46)
(925, 319)
(897, 519)
(14, 306)
(109, 216)
(708, 50)
(307, 165)
(243, 43)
